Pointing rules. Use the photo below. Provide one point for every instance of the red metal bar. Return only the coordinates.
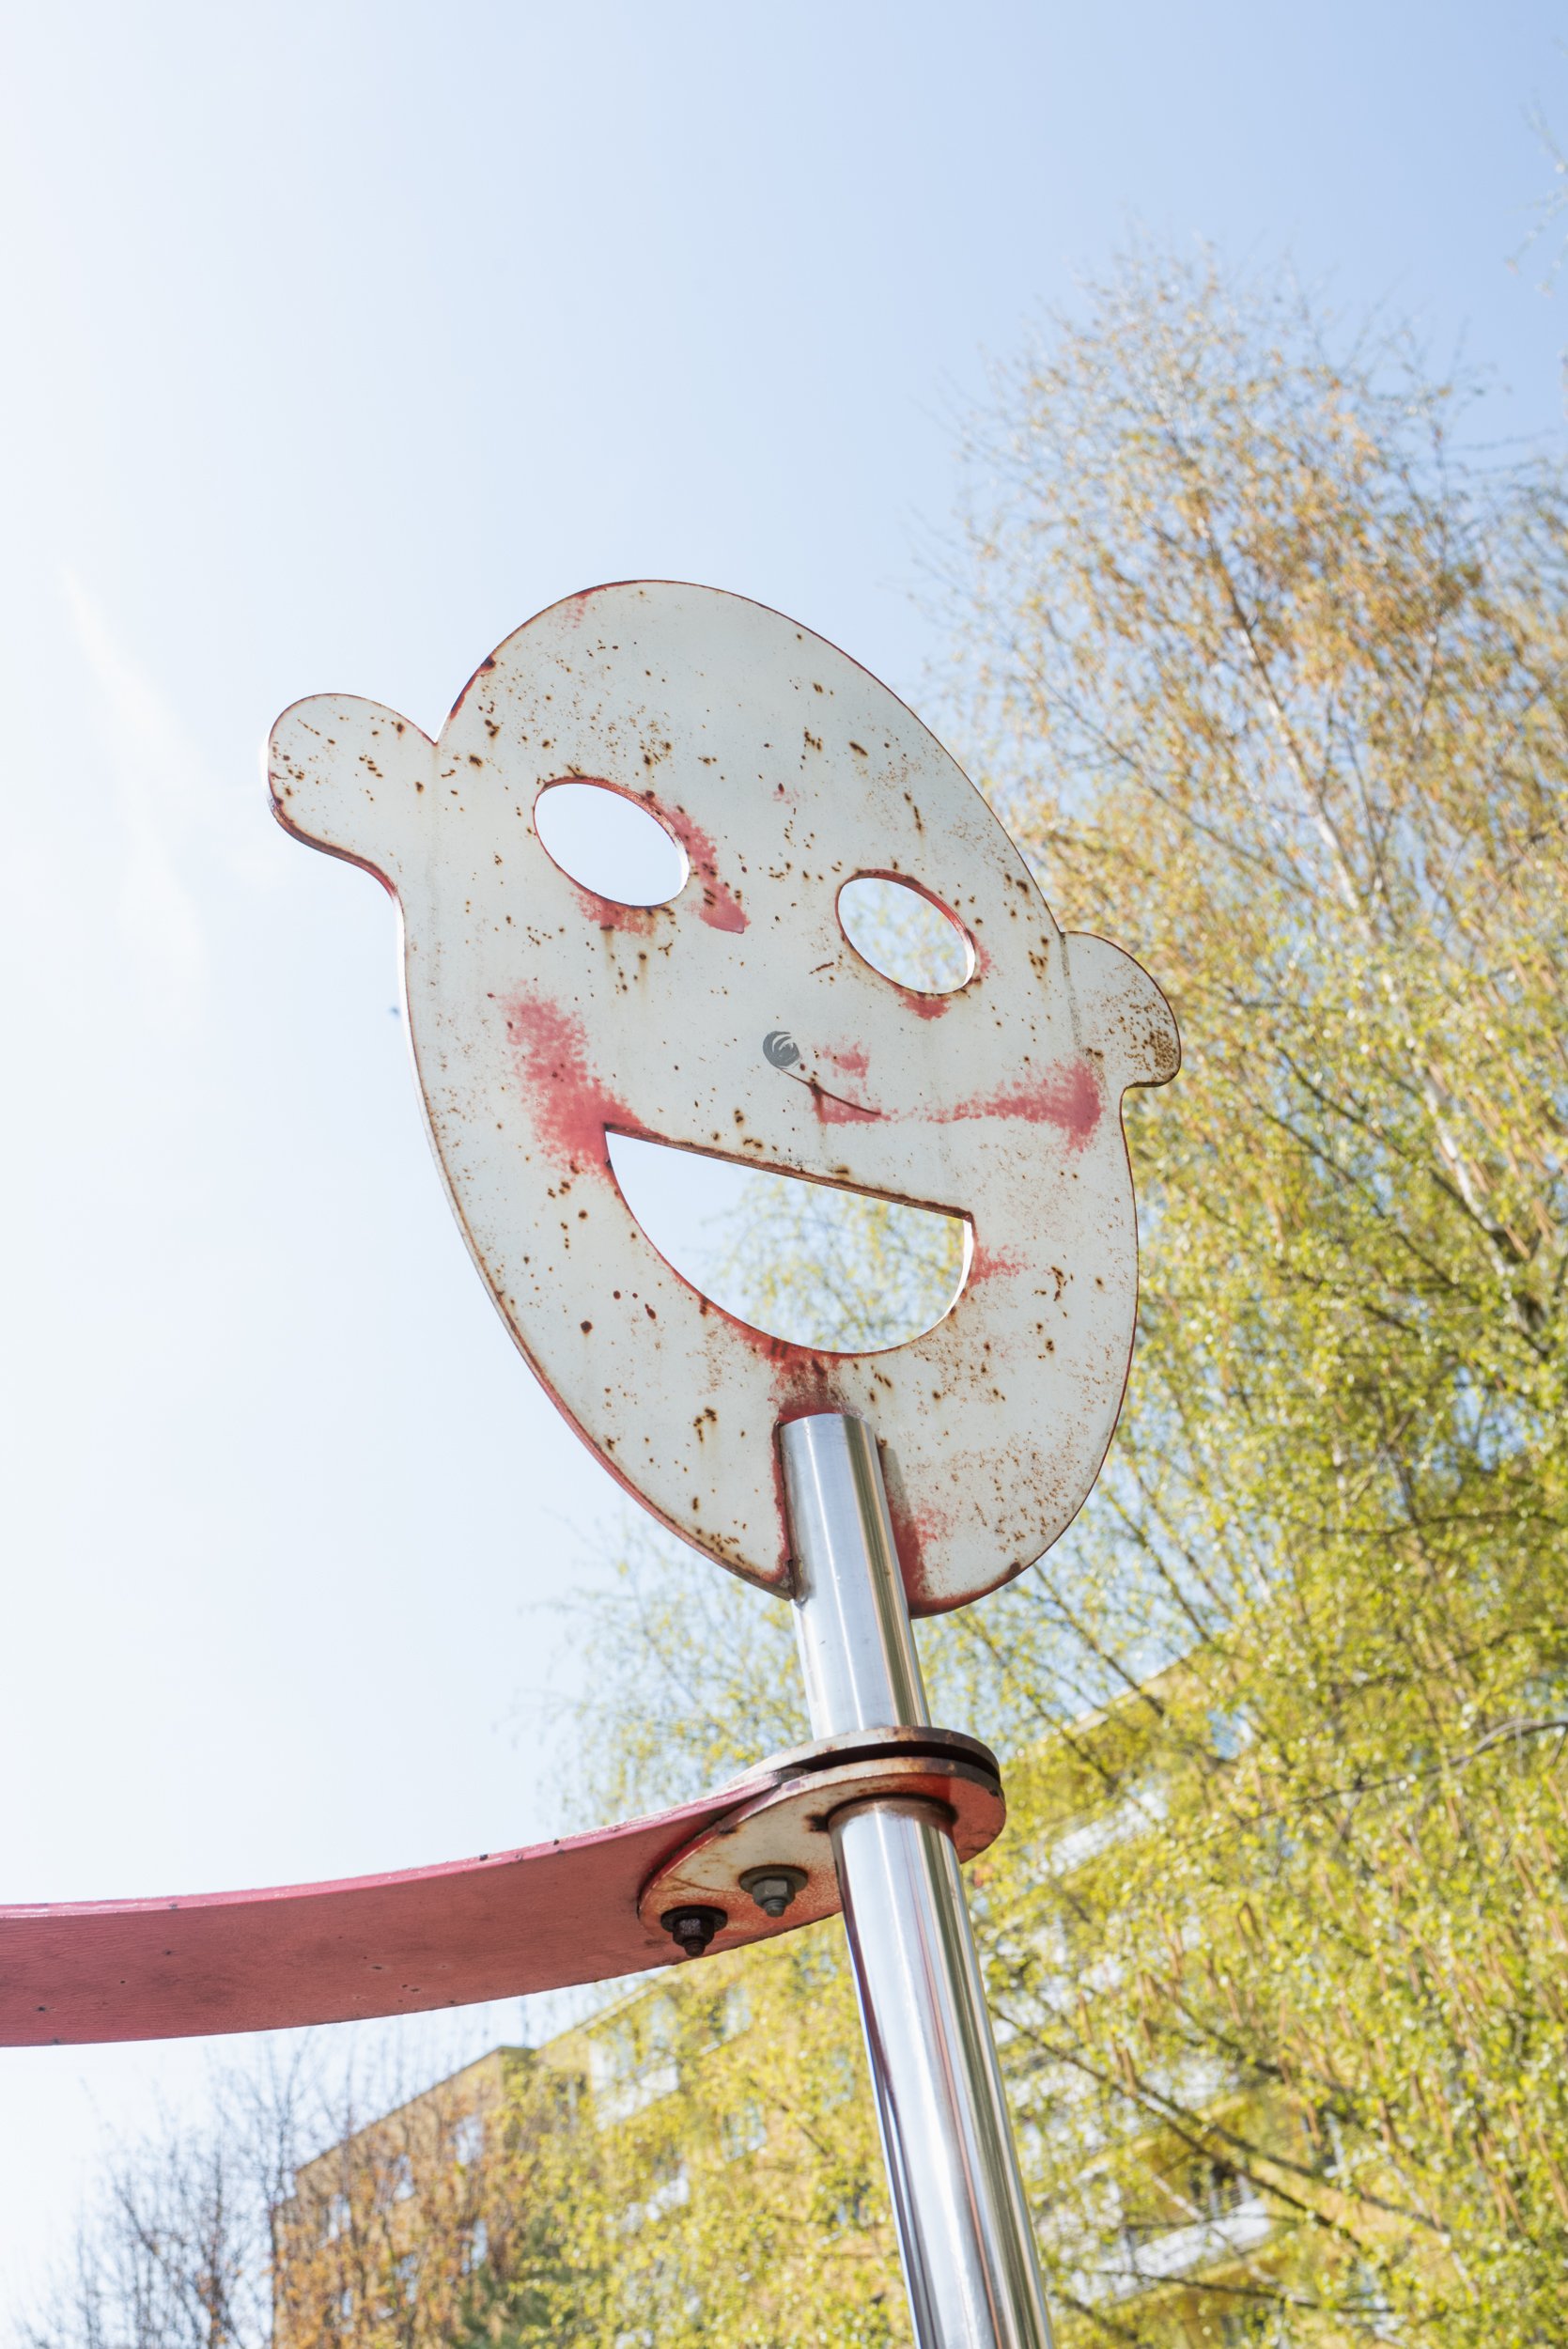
(539, 1919)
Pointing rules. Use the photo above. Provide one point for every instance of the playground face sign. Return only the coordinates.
(736, 1019)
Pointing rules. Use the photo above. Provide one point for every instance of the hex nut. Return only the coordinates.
(692, 1929)
(773, 1888)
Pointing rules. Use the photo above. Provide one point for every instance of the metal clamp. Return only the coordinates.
(777, 1847)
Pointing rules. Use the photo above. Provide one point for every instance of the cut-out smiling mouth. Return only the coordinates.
(813, 1264)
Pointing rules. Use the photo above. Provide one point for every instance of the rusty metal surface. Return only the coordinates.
(544, 1018)
(507, 1923)
(789, 1826)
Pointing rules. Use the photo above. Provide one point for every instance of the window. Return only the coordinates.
(468, 2140)
(840, 2077)
(1369, 2302)
(672, 2188)
(853, 2212)
(476, 2246)
(334, 2217)
(735, 2015)
(1228, 1734)
(1216, 2189)
(1141, 1810)
(814, 1961)
(744, 2130)
(632, 2064)
(400, 2180)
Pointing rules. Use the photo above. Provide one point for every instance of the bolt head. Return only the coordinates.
(692, 1929)
(773, 1888)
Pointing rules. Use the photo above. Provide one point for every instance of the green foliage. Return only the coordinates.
(737, 2182)
(1300, 679)
(1272, 687)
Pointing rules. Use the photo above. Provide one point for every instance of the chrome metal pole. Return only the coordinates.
(958, 2201)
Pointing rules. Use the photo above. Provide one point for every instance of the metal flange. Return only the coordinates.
(767, 1865)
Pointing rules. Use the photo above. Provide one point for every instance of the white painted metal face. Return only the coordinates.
(545, 1019)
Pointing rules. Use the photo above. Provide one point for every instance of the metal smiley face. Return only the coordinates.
(737, 1020)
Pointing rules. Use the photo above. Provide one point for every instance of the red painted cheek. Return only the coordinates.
(831, 1111)
(572, 1106)
(992, 1264)
(1068, 1097)
(852, 1060)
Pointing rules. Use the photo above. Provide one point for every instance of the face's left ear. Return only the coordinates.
(353, 778)
(1121, 1013)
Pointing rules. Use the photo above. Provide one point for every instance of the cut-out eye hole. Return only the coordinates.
(610, 843)
(905, 934)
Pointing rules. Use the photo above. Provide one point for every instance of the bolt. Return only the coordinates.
(692, 1929)
(773, 1888)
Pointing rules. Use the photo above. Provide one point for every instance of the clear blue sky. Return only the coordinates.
(340, 338)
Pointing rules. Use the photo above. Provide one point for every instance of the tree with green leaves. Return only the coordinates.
(1296, 674)
(1268, 679)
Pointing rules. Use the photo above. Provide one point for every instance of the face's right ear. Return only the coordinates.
(351, 777)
